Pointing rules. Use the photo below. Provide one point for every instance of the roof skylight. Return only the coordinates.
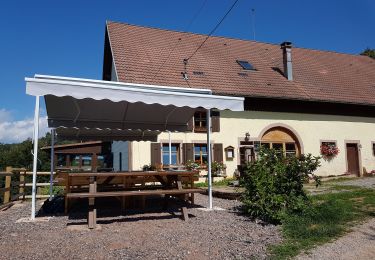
(245, 65)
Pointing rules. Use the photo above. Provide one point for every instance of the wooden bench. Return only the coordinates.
(132, 193)
(128, 185)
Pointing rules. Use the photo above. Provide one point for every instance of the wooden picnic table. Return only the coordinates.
(127, 184)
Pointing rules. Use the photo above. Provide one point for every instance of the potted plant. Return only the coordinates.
(148, 167)
(218, 168)
(192, 165)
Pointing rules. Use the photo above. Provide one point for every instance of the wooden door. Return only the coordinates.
(352, 158)
(247, 155)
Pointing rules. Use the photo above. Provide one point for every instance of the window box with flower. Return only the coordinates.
(329, 149)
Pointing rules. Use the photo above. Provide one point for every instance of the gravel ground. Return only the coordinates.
(326, 187)
(151, 235)
(359, 244)
(367, 182)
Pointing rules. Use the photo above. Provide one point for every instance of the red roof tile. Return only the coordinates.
(139, 54)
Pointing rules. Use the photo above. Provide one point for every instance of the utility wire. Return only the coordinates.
(196, 15)
(213, 30)
(179, 40)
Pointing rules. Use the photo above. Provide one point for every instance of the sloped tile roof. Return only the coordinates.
(155, 56)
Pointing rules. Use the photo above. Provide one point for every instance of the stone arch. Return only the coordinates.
(281, 133)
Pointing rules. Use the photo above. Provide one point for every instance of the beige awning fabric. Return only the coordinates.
(103, 105)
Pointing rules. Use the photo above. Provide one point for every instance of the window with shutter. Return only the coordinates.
(198, 123)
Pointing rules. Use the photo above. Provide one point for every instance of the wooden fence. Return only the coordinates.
(15, 180)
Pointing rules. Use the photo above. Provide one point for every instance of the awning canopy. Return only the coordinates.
(104, 105)
(96, 109)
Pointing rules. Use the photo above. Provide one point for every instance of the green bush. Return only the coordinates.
(56, 190)
(223, 182)
(274, 184)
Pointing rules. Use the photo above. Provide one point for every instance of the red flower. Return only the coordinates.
(329, 150)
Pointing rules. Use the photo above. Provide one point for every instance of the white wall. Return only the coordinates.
(311, 129)
(113, 72)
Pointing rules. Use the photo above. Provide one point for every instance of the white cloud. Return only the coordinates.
(5, 115)
(14, 131)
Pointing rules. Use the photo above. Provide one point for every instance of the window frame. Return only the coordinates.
(73, 157)
(63, 158)
(201, 153)
(178, 153)
(284, 151)
(202, 118)
(328, 142)
(245, 65)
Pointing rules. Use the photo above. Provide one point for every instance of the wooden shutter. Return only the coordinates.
(215, 121)
(218, 152)
(188, 152)
(190, 124)
(155, 153)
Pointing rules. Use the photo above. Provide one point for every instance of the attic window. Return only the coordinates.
(245, 65)
(198, 73)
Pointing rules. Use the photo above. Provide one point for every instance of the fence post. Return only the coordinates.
(8, 180)
(22, 184)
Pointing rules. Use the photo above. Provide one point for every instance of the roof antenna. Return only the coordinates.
(253, 22)
(184, 74)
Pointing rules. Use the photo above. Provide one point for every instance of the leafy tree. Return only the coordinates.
(274, 184)
(369, 52)
(20, 154)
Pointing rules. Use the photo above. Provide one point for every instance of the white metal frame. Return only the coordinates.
(35, 154)
(170, 148)
(84, 88)
(52, 163)
(209, 158)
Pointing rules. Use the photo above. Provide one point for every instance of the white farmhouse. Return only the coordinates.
(297, 100)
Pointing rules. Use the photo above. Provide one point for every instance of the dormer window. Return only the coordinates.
(245, 65)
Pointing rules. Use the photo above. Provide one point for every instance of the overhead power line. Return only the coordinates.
(179, 40)
(213, 30)
(196, 15)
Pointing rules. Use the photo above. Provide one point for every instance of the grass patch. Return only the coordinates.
(223, 182)
(329, 217)
(344, 187)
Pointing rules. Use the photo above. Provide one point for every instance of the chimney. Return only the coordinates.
(287, 59)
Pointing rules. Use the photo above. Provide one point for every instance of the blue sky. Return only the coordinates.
(66, 37)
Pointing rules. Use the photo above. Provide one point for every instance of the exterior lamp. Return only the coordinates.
(247, 136)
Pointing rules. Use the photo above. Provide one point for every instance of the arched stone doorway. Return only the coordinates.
(281, 139)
